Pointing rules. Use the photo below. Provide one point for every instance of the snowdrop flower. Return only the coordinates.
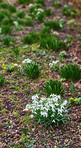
(53, 63)
(40, 10)
(17, 65)
(31, 116)
(27, 61)
(15, 23)
(30, 5)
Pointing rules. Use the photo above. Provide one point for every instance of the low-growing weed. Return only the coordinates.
(56, 4)
(21, 14)
(75, 100)
(7, 40)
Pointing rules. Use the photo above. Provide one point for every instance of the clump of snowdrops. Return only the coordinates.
(48, 111)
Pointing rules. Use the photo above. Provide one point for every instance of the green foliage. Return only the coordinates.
(21, 22)
(1, 16)
(52, 43)
(10, 68)
(4, 6)
(53, 24)
(6, 13)
(6, 29)
(29, 22)
(44, 32)
(53, 87)
(75, 100)
(16, 52)
(21, 14)
(31, 38)
(56, 4)
(25, 1)
(71, 72)
(1, 1)
(32, 70)
(7, 40)
(42, 2)
(12, 8)
(2, 80)
(68, 12)
(7, 21)
(72, 88)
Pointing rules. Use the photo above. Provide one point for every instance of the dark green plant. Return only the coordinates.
(4, 6)
(42, 2)
(53, 87)
(44, 32)
(66, 10)
(31, 38)
(21, 14)
(32, 70)
(71, 72)
(40, 17)
(56, 4)
(25, 1)
(52, 43)
(16, 52)
(72, 88)
(47, 12)
(7, 40)
(12, 8)
(1, 1)
(7, 21)
(53, 24)
(29, 22)
(21, 22)
(6, 29)
(1, 16)
(6, 13)
(2, 80)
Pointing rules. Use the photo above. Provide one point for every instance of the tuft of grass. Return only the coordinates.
(6, 29)
(53, 24)
(29, 22)
(12, 9)
(2, 80)
(32, 70)
(52, 43)
(31, 38)
(21, 14)
(53, 87)
(7, 40)
(71, 72)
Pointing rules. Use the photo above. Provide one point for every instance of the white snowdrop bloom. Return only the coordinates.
(0, 30)
(15, 23)
(53, 121)
(33, 129)
(19, 65)
(35, 97)
(30, 5)
(44, 114)
(64, 103)
(27, 61)
(60, 110)
(53, 63)
(15, 64)
(31, 116)
(41, 10)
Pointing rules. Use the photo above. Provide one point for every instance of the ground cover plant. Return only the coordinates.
(40, 74)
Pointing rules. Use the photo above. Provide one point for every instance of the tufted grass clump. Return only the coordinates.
(44, 32)
(42, 2)
(2, 80)
(4, 5)
(53, 24)
(31, 38)
(7, 21)
(1, 16)
(32, 70)
(71, 72)
(25, 1)
(1, 1)
(29, 22)
(6, 29)
(56, 4)
(7, 40)
(12, 9)
(6, 13)
(53, 87)
(50, 42)
(21, 14)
